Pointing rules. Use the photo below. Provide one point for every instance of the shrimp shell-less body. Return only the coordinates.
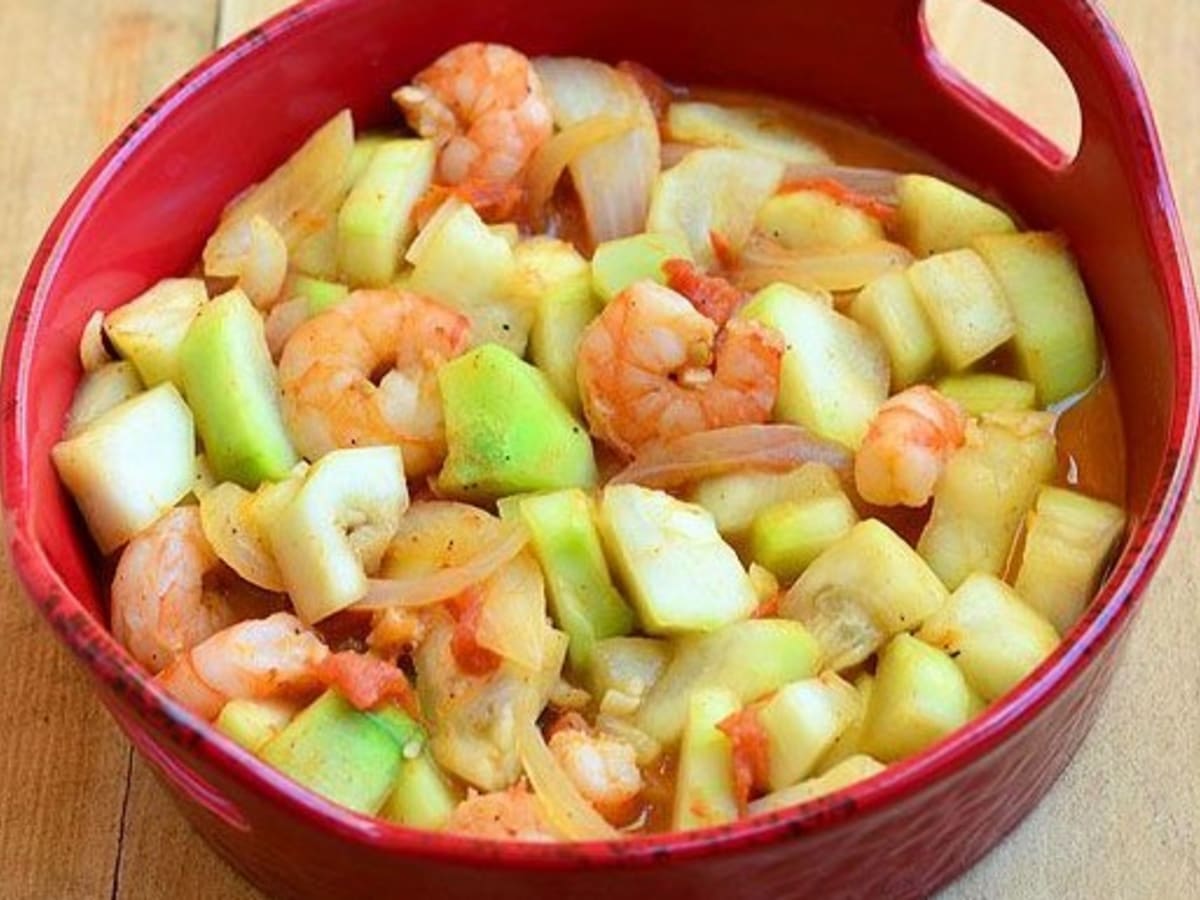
(512, 814)
(328, 369)
(260, 659)
(484, 106)
(906, 447)
(652, 367)
(604, 769)
(161, 606)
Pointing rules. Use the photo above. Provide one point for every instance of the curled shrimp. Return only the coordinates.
(260, 659)
(167, 594)
(326, 372)
(485, 106)
(512, 814)
(906, 447)
(603, 768)
(652, 367)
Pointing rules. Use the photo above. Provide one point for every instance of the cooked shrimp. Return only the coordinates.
(329, 398)
(161, 606)
(256, 660)
(485, 106)
(603, 768)
(653, 367)
(712, 295)
(906, 447)
(512, 815)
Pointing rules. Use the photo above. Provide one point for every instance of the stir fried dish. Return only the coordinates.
(581, 456)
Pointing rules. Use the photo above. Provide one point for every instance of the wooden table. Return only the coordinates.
(81, 817)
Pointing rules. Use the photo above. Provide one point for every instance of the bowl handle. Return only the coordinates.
(1116, 113)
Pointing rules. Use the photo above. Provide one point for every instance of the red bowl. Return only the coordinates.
(143, 212)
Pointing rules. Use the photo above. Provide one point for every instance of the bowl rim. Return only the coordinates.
(109, 663)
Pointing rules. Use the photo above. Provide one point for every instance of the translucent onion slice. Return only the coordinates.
(256, 255)
(92, 352)
(763, 262)
(681, 461)
(564, 806)
(615, 178)
(297, 200)
(229, 523)
(428, 588)
(106, 388)
(553, 157)
(673, 152)
(512, 620)
(878, 184)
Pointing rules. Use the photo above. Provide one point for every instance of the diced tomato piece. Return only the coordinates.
(472, 658)
(750, 752)
(367, 681)
(712, 296)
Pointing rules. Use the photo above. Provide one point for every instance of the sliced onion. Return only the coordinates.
(299, 198)
(426, 589)
(227, 518)
(553, 157)
(680, 461)
(614, 179)
(283, 321)
(763, 262)
(512, 618)
(564, 806)
(256, 255)
(106, 388)
(92, 352)
(878, 184)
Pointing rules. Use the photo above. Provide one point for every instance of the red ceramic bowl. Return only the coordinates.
(143, 212)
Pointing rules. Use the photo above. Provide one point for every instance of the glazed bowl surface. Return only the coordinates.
(145, 208)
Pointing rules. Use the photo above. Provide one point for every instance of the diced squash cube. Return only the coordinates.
(985, 392)
(787, 537)
(704, 789)
(992, 635)
(375, 225)
(583, 601)
(130, 465)
(320, 295)
(801, 721)
(889, 308)
(1056, 341)
(782, 652)
(849, 771)
(101, 390)
(149, 331)
(459, 261)
(984, 492)
(627, 665)
(556, 282)
(934, 216)
(865, 588)
(676, 569)
(252, 723)
(713, 191)
(807, 220)
(337, 526)
(762, 130)
(965, 305)
(849, 742)
(920, 696)
(618, 264)
(834, 374)
(1069, 538)
(735, 499)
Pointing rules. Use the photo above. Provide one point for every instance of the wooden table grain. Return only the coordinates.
(80, 817)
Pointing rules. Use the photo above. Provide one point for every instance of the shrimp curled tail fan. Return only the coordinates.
(906, 448)
(652, 367)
